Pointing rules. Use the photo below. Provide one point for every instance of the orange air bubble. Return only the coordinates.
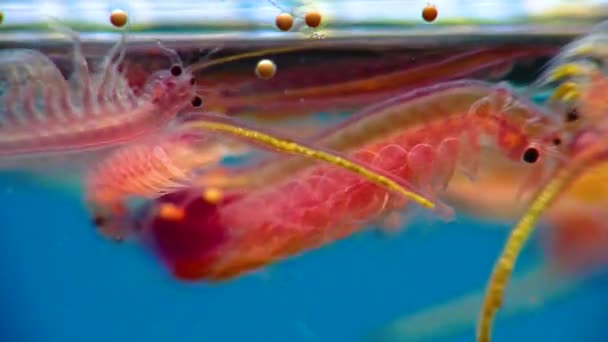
(266, 69)
(171, 212)
(118, 18)
(313, 19)
(284, 21)
(429, 13)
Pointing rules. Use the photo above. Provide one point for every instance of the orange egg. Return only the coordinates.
(265, 69)
(171, 212)
(284, 21)
(118, 18)
(313, 19)
(213, 195)
(429, 13)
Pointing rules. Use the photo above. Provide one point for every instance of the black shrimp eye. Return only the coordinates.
(176, 70)
(99, 221)
(192, 81)
(572, 115)
(197, 101)
(531, 155)
(557, 141)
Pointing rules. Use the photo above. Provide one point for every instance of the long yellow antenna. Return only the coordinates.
(595, 154)
(288, 146)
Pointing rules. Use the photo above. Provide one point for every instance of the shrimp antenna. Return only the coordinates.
(203, 57)
(172, 54)
(210, 53)
(565, 56)
(122, 42)
(595, 154)
(277, 6)
(119, 48)
(222, 124)
(57, 25)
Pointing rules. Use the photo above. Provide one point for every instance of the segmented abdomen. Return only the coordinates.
(318, 206)
(308, 205)
(326, 204)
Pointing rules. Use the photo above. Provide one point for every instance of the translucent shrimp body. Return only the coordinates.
(459, 110)
(351, 84)
(578, 75)
(41, 112)
(419, 137)
(592, 48)
(138, 170)
(148, 169)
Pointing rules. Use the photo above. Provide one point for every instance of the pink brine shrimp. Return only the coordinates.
(297, 205)
(42, 112)
(158, 165)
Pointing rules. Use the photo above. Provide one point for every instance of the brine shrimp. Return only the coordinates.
(578, 75)
(148, 169)
(432, 115)
(364, 85)
(420, 137)
(153, 169)
(592, 49)
(41, 112)
(595, 153)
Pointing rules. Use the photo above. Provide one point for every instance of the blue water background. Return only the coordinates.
(62, 282)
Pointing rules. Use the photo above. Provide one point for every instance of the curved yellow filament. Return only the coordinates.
(292, 147)
(595, 154)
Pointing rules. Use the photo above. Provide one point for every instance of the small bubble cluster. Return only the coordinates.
(285, 20)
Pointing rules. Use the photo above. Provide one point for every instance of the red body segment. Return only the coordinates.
(318, 204)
